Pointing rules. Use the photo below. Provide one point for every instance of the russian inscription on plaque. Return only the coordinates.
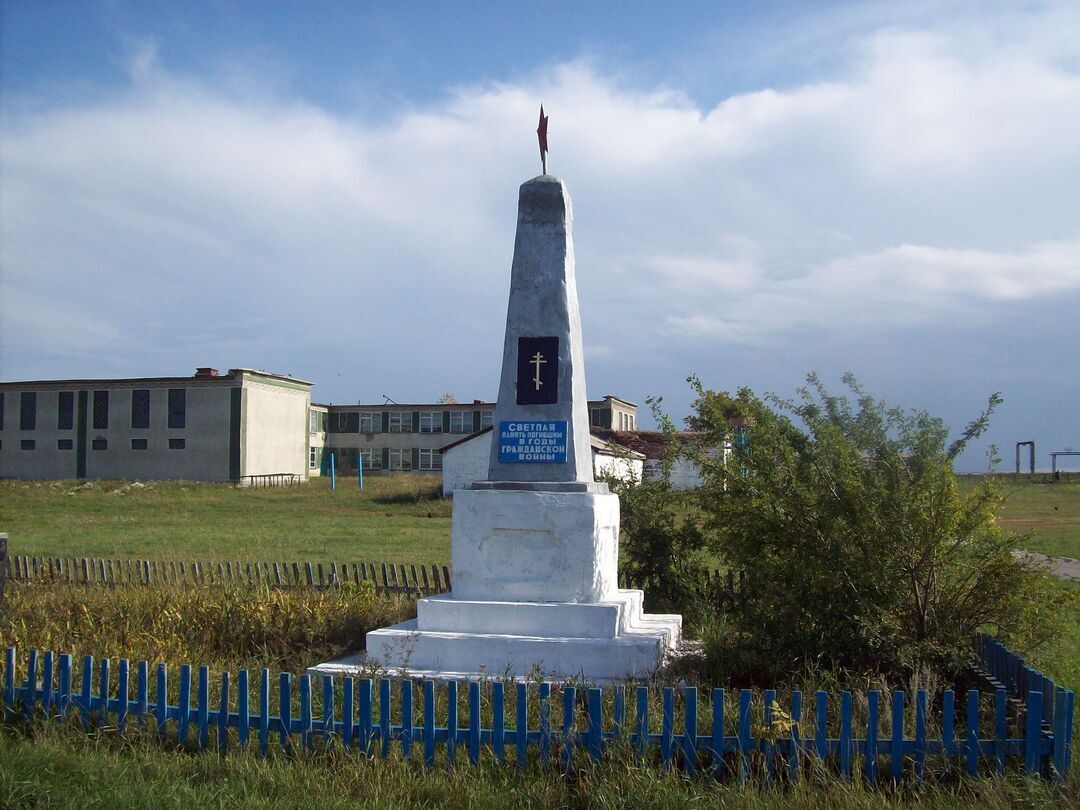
(532, 442)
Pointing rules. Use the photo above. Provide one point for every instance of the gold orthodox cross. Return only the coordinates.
(537, 361)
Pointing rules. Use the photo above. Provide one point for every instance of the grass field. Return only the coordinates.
(394, 519)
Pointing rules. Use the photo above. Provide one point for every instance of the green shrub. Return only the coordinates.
(860, 551)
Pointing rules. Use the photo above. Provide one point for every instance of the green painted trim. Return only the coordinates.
(236, 421)
(416, 458)
(475, 420)
(386, 421)
(386, 458)
(446, 421)
(80, 439)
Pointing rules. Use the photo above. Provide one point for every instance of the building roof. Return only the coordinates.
(231, 376)
(650, 443)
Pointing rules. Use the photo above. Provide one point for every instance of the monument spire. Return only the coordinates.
(541, 134)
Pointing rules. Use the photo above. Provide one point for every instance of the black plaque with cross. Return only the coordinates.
(538, 370)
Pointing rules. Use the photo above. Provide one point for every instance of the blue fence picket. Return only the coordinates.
(203, 711)
(872, 722)
(451, 721)
(264, 712)
(305, 712)
(667, 727)
(717, 744)
(1000, 709)
(104, 671)
(896, 749)
(972, 736)
(406, 718)
(796, 736)
(364, 710)
(347, 713)
(821, 708)
(545, 723)
(618, 712)
(122, 695)
(47, 683)
(429, 724)
(65, 685)
(161, 705)
(223, 713)
(84, 698)
(474, 722)
(184, 704)
(1032, 732)
(568, 729)
(243, 725)
(521, 723)
(596, 724)
(1063, 732)
(30, 691)
(498, 722)
(284, 709)
(142, 695)
(948, 727)
(689, 745)
(329, 725)
(384, 717)
(745, 741)
(920, 734)
(767, 747)
(845, 734)
(641, 721)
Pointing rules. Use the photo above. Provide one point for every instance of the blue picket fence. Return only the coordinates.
(770, 744)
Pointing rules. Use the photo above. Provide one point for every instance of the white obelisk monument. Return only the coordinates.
(534, 547)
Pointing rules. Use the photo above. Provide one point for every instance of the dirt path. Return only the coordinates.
(1060, 567)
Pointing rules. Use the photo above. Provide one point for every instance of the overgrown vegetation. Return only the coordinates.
(221, 626)
(861, 552)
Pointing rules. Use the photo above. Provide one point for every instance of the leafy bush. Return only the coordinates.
(860, 551)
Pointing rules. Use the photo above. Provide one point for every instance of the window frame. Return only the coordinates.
(145, 416)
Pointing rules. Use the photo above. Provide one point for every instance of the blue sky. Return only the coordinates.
(760, 190)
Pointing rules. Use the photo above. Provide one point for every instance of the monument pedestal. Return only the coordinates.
(535, 592)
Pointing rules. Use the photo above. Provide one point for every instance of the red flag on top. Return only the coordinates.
(541, 133)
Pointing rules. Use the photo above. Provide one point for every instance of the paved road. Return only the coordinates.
(1061, 567)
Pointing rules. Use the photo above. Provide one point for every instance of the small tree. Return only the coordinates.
(859, 549)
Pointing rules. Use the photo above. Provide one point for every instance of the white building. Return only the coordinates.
(208, 427)
(466, 460)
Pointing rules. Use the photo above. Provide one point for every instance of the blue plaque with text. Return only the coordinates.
(532, 442)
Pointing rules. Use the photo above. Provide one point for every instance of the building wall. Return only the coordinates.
(274, 427)
(625, 469)
(317, 415)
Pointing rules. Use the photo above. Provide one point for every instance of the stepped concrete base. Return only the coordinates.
(601, 641)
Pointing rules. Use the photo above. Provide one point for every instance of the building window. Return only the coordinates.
(101, 410)
(28, 411)
(371, 459)
(177, 444)
(313, 458)
(28, 444)
(342, 421)
(430, 459)
(401, 459)
(64, 444)
(140, 409)
(177, 408)
(139, 444)
(99, 444)
(487, 419)
(430, 421)
(632, 419)
(313, 422)
(461, 422)
(370, 422)
(65, 410)
(594, 417)
(401, 422)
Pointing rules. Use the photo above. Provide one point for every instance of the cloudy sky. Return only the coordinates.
(760, 190)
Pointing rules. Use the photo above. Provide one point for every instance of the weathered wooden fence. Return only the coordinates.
(385, 577)
(749, 738)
